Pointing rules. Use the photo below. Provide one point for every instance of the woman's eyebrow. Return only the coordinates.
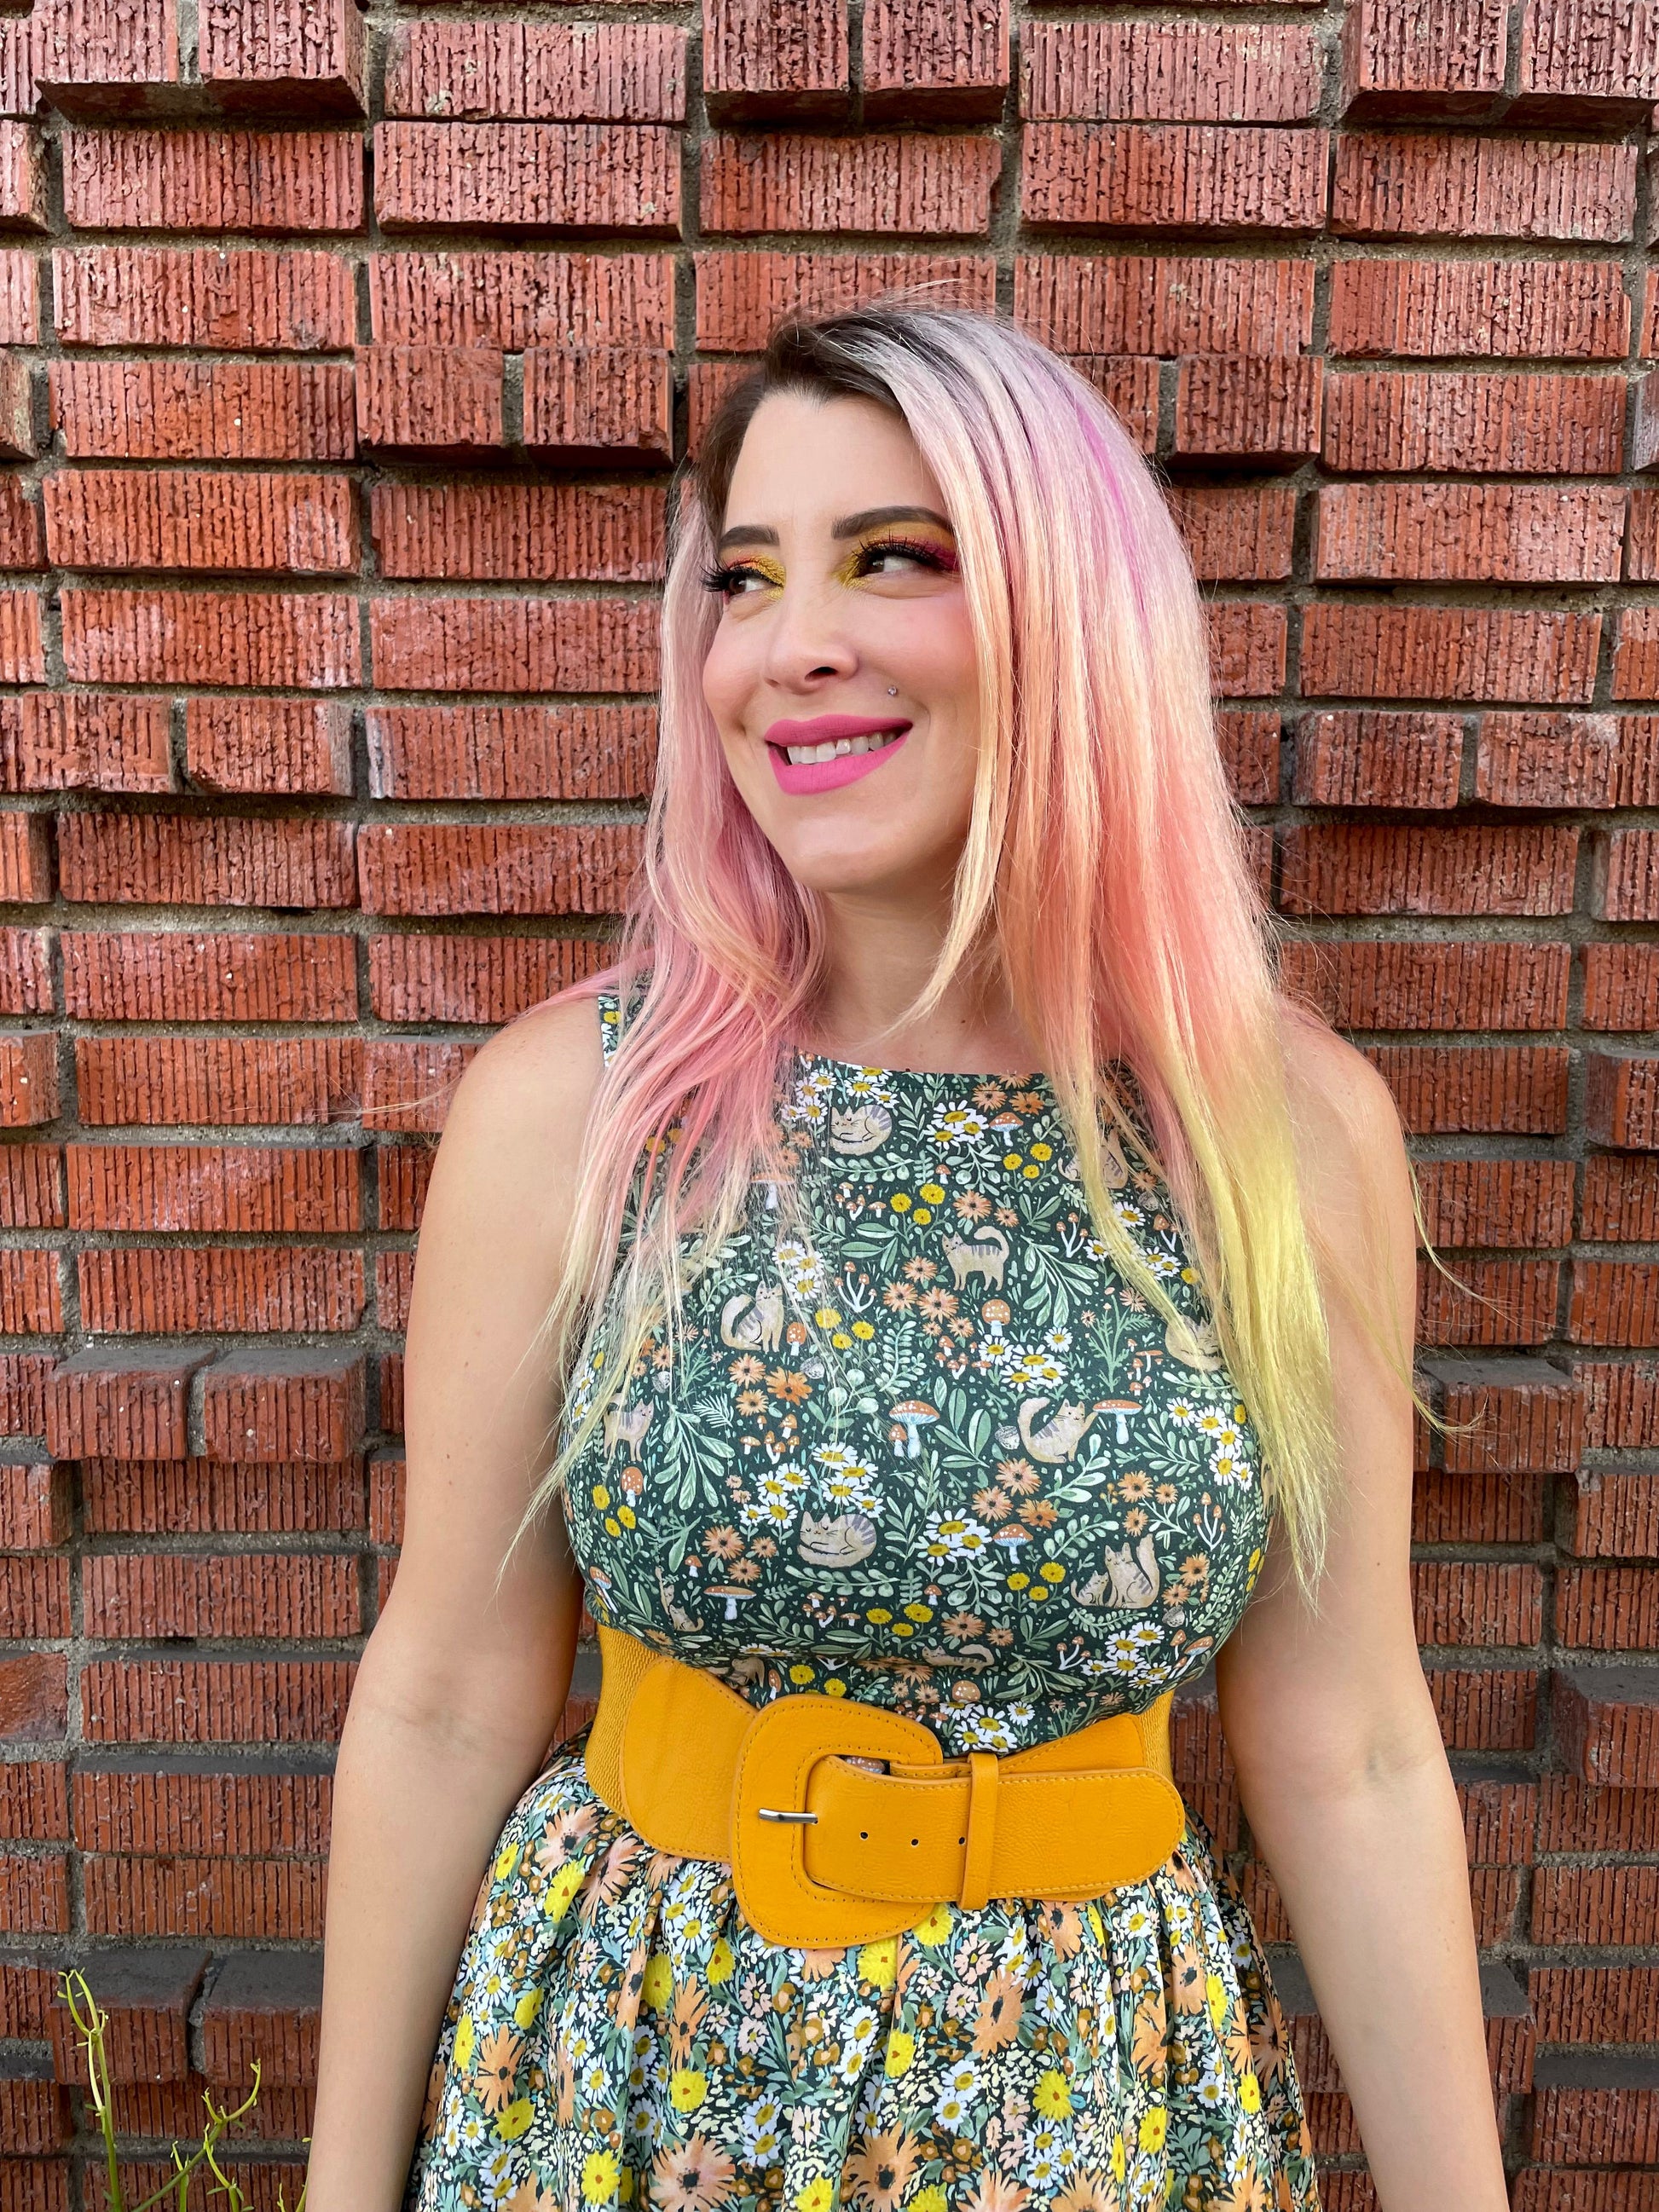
(849, 526)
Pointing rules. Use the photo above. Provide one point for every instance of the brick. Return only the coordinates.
(741, 294)
(206, 860)
(580, 176)
(599, 404)
(34, 2117)
(22, 657)
(545, 533)
(1636, 656)
(513, 645)
(127, 1405)
(539, 72)
(1615, 1514)
(298, 746)
(1607, 1609)
(249, 1596)
(1474, 422)
(66, 741)
(1595, 2004)
(1235, 534)
(1378, 757)
(1541, 657)
(139, 976)
(513, 299)
(1574, 1816)
(1589, 62)
(1566, 310)
(159, 1081)
(252, 639)
(1463, 1508)
(1436, 184)
(235, 1189)
(1621, 1403)
(25, 879)
(35, 1895)
(786, 180)
(252, 298)
(431, 402)
(28, 1081)
(1458, 1602)
(294, 1402)
(35, 1507)
(32, 1187)
(1485, 1710)
(1167, 304)
(34, 1698)
(1514, 1303)
(133, 519)
(147, 1993)
(1196, 176)
(202, 411)
(1424, 59)
(1169, 71)
(1607, 1726)
(433, 977)
(206, 1498)
(19, 91)
(213, 179)
(438, 868)
(509, 752)
(1264, 409)
(759, 61)
(203, 1899)
(924, 59)
(25, 986)
(1362, 868)
(282, 57)
(1547, 760)
(408, 1085)
(1621, 1198)
(263, 2007)
(1524, 1203)
(182, 1289)
(1455, 532)
(1583, 2122)
(1613, 1302)
(16, 415)
(1625, 875)
(22, 177)
(215, 1701)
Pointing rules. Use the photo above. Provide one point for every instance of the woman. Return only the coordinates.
(981, 1402)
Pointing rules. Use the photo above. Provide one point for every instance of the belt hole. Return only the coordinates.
(962, 1839)
(865, 1832)
(915, 1839)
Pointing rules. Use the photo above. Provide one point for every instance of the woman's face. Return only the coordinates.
(842, 612)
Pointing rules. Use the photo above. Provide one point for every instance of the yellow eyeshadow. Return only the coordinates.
(846, 573)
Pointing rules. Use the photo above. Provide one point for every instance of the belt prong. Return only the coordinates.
(772, 1813)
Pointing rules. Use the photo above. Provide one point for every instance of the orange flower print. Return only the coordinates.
(691, 2177)
(998, 2020)
(495, 2068)
(878, 2173)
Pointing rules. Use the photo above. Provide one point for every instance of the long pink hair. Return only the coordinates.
(1105, 875)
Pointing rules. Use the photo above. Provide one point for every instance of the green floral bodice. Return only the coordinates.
(1011, 1500)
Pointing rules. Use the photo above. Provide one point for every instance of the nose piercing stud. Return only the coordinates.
(892, 690)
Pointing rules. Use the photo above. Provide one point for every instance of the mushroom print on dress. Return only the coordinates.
(932, 1452)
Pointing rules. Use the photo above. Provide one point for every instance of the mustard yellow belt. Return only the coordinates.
(825, 1852)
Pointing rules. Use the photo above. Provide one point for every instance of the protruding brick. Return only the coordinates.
(1586, 62)
(147, 1993)
(1607, 1721)
(260, 744)
(17, 409)
(263, 2006)
(1261, 408)
(545, 72)
(760, 60)
(282, 57)
(22, 177)
(28, 1081)
(1621, 1103)
(121, 1405)
(925, 58)
(292, 1402)
(433, 403)
(1422, 57)
(599, 404)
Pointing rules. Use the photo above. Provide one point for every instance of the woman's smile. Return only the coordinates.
(830, 749)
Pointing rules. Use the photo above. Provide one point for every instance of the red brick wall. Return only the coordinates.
(341, 360)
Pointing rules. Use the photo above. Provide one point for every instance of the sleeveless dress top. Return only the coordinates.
(1019, 1502)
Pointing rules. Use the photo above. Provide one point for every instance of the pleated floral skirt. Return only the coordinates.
(618, 2034)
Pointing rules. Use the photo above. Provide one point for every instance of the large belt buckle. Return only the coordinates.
(770, 1815)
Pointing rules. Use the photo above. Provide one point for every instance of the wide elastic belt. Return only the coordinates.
(825, 1852)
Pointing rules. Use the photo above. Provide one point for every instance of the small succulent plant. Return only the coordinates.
(90, 2023)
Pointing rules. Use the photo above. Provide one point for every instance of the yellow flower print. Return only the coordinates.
(1215, 1996)
(878, 1962)
(1154, 2126)
(599, 2176)
(934, 1192)
(466, 2037)
(516, 2119)
(1249, 2092)
(934, 1926)
(900, 1202)
(657, 1981)
(525, 2012)
(687, 2088)
(601, 1496)
(721, 1962)
(818, 2195)
(1051, 2096)
(507, 1861)
(931, 2199)
(562, 1887)
(1120, 2158)
(901, 2052)
(1097, 1926)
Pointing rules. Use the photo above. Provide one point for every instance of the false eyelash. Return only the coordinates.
(724, 574)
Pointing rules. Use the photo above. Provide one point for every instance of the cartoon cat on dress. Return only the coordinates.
(752, 1321)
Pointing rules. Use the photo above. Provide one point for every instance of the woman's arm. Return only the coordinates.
(458, 1692)
(1342, 1772)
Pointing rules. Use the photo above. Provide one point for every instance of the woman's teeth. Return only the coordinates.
(801, 754)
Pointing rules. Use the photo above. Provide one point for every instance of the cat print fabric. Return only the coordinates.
(930, 1451)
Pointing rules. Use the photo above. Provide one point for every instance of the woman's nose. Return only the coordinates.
(806, 639)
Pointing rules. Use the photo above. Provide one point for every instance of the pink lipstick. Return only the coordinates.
(802, 778)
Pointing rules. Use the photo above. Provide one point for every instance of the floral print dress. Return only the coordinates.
(1015, 1501)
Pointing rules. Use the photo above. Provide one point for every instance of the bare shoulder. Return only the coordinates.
(1345, 1122)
